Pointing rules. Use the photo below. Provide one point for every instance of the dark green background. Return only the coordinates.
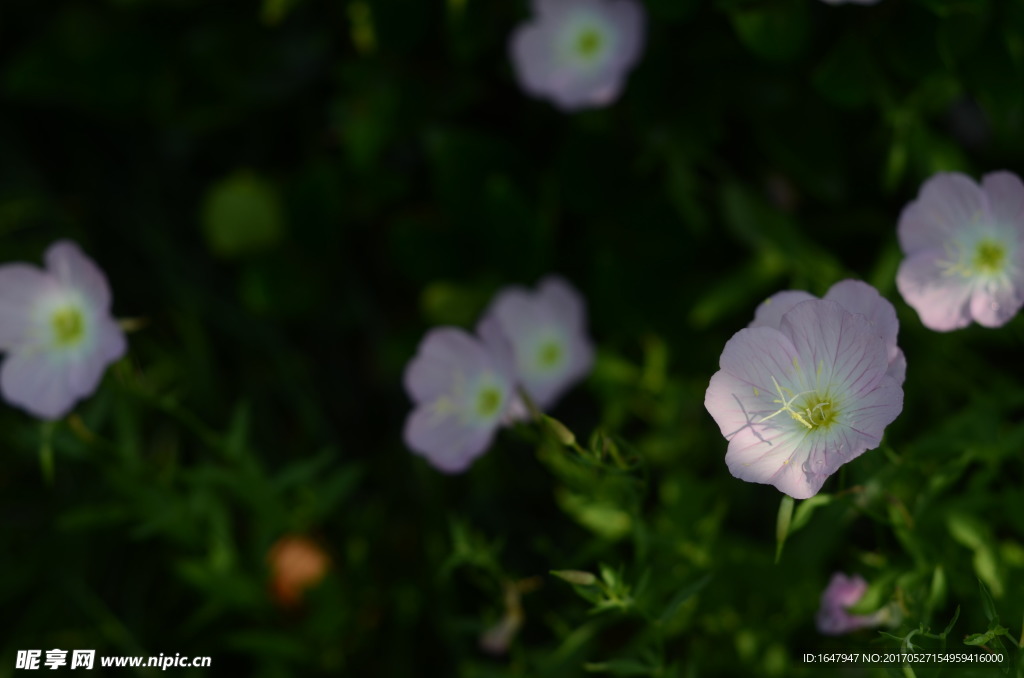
(291, 213)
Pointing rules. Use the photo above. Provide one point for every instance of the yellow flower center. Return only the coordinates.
(589, 43)
(550, 354)
(68, 326)
(989, 256)
(816, 412)
(488, 401)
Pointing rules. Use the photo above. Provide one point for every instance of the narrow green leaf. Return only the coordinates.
(807, 507)
(986, 600)
(952, 622)
(782, 525)
(620, 667)
(687, 592)
(46, 463)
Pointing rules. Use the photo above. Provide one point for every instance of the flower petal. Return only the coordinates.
(776, 459)
(833, 618)
(857, 296)
(631, 23)
(497, 345)
(38, 383)
(444, 440)
(21, 287)
(770, 311)
(445, 354)
(834, 347)
(533, 323)
(947, 204)
(741, 397)
(942, 301)
(531, 48)
(69, 265)
(867, 415)
(898, 367)
(994, 303)
(555, 293)
(544, 58)
(1004, 193)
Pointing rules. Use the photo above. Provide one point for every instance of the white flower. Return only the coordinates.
(577, 52)
(546, 331)
(57, 332)
(463, 388)
(964, 247)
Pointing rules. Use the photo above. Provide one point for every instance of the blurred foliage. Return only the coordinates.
(291, 193)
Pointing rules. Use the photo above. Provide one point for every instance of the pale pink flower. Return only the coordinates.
(57, 331)
(799, 400)
(964, 247)
(856, 297)
(833, 617)
(462, 388)
(546, 331)
(578, 52)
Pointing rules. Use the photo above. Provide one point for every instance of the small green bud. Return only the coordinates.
(564, 435)
(576, 577)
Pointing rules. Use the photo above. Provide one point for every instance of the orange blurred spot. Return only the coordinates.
(296, 564)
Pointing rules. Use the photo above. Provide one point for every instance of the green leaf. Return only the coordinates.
(46, 464)
(774, 31)
(304, 472)
(621, 667)
(684, 594)
(987, 602)
(806, 508)
(878, 594)
(601, 516)
(987, 637)
(937, 593)
(782, 525)
(952, 622)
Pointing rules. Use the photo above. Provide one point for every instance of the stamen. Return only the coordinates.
(787, 405)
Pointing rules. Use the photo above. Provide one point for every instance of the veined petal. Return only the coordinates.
(756, 356)
(776, 459)
(868, 413)
(942, 300)
(797, 402)
(770, 311)
(857, 296)
(834, 347)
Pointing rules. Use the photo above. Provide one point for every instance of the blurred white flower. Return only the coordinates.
(577, 53)
(57, 331)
